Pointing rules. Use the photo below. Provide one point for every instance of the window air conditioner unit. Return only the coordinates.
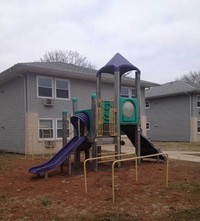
(49, 144)
(48, 102)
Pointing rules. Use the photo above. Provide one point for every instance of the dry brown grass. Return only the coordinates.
(178, 146)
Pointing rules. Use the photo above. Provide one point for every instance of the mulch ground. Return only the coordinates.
(24, 196)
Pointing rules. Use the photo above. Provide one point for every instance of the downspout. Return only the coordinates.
(25, 91)
(190, 113)
(25, 110)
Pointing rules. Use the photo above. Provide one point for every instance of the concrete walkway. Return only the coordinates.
(184, 155)
(176, 155)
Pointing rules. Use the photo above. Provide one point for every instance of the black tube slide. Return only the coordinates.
(147, 147)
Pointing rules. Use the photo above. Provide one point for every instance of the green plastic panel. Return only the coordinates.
(128, 110)
(106, 107)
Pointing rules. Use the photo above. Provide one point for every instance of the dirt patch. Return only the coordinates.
(24, 196)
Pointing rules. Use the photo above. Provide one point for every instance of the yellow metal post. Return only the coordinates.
(98, 158)
(136, 159)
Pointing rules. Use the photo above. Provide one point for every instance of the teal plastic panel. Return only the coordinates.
(128, 110)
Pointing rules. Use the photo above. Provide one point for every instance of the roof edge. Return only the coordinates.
(21, 68)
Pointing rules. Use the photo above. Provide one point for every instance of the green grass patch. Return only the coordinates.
(178, 146)
(185, 215)
(188, 187)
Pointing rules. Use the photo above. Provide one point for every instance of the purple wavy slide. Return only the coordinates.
(60, 156)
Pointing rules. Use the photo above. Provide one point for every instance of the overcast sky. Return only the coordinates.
(160, 37)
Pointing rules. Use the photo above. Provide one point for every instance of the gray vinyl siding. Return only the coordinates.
(80, 89)
(12, 116)
(83, 90)
(169, 118)
(36, 104)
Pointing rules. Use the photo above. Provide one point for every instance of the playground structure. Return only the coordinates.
(104, 122)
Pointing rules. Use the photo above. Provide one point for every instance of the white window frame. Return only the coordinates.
(147, 106)
(130, 94)
(56, 125)
(60, 98)
(56, 128)
(148, 127)
(131, 91)
(52, 84)
(53, 126)
(124, 95)
(198, 101)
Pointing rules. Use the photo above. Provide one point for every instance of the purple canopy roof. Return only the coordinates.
(117, 63)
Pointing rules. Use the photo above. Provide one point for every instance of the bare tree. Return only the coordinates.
(191, 78)
(70, 57)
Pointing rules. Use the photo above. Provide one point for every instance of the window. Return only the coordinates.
(198, 101)
(46, 129)
(53, 88)
(127, 92)
(45, 88)
(198, 126)
(51, 129)
(62, 89)
(124, 92)
(59, 129)
(148, 126)
(133, 92)
(147, 104)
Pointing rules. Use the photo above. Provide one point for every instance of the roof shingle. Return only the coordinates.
(171, 88)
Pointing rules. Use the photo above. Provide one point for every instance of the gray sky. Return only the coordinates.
(160, 37)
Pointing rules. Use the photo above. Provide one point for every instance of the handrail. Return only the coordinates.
(98, 158)
(136, 172)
